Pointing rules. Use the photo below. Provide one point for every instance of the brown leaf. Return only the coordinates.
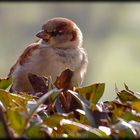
(64, 80)
(38, 83)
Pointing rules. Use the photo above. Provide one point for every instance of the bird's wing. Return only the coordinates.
(24, 56)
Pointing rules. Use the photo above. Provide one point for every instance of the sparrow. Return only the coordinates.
(59, 48)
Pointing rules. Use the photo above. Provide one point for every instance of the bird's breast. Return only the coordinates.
(52, 61)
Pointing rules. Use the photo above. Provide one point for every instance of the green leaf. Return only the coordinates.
(16, 120)
(126, 96)
(129, 116)
(53, 121)
(42, 100)
(86, 107)
(136, 105)
(4, 129)
(73, 128)
(80, 114)
(13, 101)
(5, 83)
(93, 92)
(36, 131)
(3, 133)
(27, 116)
(125, 130)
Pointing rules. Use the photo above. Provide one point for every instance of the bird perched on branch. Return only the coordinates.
(59, 48)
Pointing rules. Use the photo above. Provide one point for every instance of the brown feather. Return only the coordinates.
(24, 56)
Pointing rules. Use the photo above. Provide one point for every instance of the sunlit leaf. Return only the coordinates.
(105, 129)
(26, 96)
(93, 92)
(125, 129)
(126, 96)
(4, 130)
(118, 109)
(81, 116)
(12, 101)
(53, 121)
(70, 126)
(15, 120)
(136, 105)
(128, 116)
(70, 113)
(5, 83)
(36, 131)
(136, 125)
(39, 102)
(70, 130)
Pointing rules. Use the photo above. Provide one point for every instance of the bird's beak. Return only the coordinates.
(42, 34)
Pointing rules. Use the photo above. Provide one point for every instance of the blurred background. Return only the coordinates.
(111, 37)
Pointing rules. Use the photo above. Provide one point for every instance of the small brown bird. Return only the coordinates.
(59, 48)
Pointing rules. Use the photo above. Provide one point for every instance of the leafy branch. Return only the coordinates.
(60, 110)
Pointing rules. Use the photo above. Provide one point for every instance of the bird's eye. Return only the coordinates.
(55, 33)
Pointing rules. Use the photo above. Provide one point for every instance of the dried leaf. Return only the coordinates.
(38, 83)
(64, 80)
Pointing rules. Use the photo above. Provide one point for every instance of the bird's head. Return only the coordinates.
(61, 32)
